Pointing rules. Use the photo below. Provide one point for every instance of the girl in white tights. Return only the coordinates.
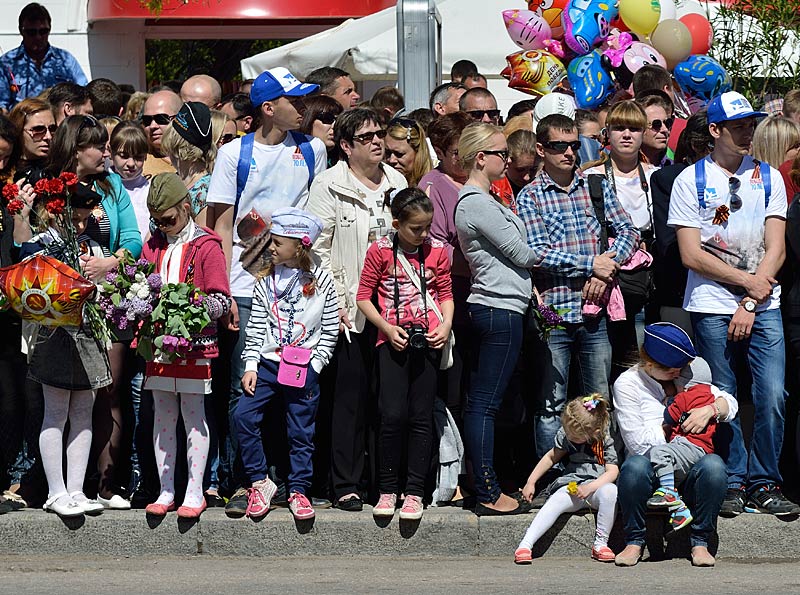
(590, 471)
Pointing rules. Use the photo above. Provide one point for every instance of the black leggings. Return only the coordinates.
(405, 401)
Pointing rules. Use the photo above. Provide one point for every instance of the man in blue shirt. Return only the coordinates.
(35, 65)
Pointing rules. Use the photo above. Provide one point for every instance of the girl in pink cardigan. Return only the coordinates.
(183, 253)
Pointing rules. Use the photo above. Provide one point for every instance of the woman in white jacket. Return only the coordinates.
(352, 200)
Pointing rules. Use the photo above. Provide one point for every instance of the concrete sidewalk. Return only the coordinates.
(442, 532)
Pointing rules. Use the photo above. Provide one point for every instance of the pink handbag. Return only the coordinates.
(293, 369)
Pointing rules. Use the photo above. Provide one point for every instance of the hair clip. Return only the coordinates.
(306, 241)
(590, 403)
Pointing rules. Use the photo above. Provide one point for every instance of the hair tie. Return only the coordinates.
(590, 403)
(306, 241)
(393, 194)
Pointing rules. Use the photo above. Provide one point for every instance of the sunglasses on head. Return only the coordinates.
(561, 146)
(162, 222)
(88, 122)
(367, 137)
(41, 32)
(37, 133)
(659, 124)
(478, 114)
(327, 117)
(160, 119)
(734, 185)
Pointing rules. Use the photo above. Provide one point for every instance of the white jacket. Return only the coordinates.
(343, 243)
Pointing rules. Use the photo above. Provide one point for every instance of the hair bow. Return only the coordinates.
(306, 241)
(590, 403)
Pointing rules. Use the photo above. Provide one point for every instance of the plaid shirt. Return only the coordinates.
(564, 231)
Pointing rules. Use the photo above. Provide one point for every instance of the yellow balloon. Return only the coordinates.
(673, 39)
(641, 16)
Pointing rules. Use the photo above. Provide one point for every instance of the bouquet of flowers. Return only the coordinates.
(179, 316)
(130, 293)
(548, 319)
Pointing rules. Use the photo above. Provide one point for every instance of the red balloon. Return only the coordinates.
(700, 30)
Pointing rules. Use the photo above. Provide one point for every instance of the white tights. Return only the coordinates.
(61, 404)
(603, 500)
(192, 409)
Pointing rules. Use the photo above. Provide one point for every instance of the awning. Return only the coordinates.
(243, 10)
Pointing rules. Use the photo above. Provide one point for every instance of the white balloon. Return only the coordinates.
(685, 7)
(668, 10)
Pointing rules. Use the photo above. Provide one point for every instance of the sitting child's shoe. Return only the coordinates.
(156, 509)
(680, 517)
(192, 512)
(385, 506)
(259, 498)
(300, 507)
(603, 554)
(523, 556)
(412, 508)
(665, 498)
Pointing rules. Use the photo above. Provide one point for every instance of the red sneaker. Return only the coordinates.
(259, 497)
(603, 554)
(523, 556)
(300, 507)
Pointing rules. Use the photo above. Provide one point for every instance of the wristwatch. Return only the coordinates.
(748, 305)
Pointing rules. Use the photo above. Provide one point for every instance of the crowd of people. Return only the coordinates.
(436, 307)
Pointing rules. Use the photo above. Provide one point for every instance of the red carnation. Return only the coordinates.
(55, 186)
(55, 206)
(41, 187)
(15, 206)
(70, 179)
(10, 192)
(308, 289)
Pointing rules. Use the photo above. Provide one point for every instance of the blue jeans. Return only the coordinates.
(498, 334)
(766, 357)
(703, 490)
(589, 343)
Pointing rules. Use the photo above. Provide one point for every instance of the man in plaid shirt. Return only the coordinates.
(572, 269)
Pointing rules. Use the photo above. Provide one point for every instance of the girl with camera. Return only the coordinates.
(410, 273)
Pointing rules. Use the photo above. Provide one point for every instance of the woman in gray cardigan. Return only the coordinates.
(494, 242)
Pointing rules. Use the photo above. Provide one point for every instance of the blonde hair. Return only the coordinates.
(411, 132)
(474, 139)
(304, 261)
(134, 106)
(521, 122)
(586, 416)
(174, 145)
(773, 137)
(218, 121)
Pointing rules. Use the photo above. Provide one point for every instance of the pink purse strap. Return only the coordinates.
(277, 312)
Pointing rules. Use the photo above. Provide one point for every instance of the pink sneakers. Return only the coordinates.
(385, 506)
(259, 497)
(412, 508)
(603, 554)
(523, 556)
(300, 507)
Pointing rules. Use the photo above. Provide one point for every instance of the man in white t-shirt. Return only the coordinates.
(729, 212)
(278, 175)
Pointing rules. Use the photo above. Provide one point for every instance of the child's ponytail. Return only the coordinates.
(587, 416)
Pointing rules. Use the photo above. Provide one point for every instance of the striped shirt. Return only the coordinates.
(309, 321)
(564, 231)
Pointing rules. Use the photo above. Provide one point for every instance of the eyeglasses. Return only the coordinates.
(161, 119)
(37, 133)
(503, 154)
(478, 114)
(327, 117)
(561, 146)
(165, 222)
(659, 124)
(367, 137)
(41, 32)
(226, 138)
(734, 185)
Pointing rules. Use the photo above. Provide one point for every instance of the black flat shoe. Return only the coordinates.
(352, 504)
(214, 501)
(481, 510)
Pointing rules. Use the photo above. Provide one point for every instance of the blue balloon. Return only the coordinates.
(590, 82)
(702, 77)
(587, 23)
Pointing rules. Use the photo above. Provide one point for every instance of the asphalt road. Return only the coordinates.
(23, 575)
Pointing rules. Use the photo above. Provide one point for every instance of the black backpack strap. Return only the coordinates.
(597, 195)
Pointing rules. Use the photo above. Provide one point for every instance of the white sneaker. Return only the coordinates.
(63, 506)
(115, 502)
(92, 507)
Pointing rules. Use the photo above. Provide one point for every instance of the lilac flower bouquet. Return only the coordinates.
(178, 317)
(548, 319)
(130, 293)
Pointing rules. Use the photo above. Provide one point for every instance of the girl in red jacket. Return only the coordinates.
(411, 276)
(183, 252)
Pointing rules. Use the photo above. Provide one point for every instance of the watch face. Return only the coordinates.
(750, 306)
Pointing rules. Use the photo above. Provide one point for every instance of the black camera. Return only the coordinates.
(416, 336)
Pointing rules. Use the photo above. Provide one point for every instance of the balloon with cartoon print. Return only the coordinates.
(552, 11)
(587, 23)
(589, 81)
(702, 77)
(637, 54)
(535, 72)
(527, 29)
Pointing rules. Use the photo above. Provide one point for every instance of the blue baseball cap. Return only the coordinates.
(668, 344)
(278, 82)
(731, 106)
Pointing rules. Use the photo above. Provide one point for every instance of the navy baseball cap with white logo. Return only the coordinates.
(278, 82)
(731, 106)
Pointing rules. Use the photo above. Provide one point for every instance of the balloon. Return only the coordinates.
(700, 30)
(673, 40)
(635, 56)
(641, 16)
(668, 10)
(589, 80)
(551, 10)
(527, 29)
(535, 72)
(689, 7)
(586, 23)
(702, 77)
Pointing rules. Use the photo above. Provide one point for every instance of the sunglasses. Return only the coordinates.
(478, 114)
(734, 185)
(41, 32)
(37, 133)
(164, 222)
(502, 153)
(226, 138)
(161, 119)
(88, 122)
(327, 117)
(660, 124)
(368, 136)
(561, 146)
(409, 125)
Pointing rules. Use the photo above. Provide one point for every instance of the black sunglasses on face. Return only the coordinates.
(165, 222)
(368, 136)
(561, 146)
(734, 185)
(503, 154)
(41, 32)
(327, 117)
(37, 133)
(657, 125)
(160, 119)
(477, 114)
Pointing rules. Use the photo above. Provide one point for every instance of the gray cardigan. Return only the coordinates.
(495, 244)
